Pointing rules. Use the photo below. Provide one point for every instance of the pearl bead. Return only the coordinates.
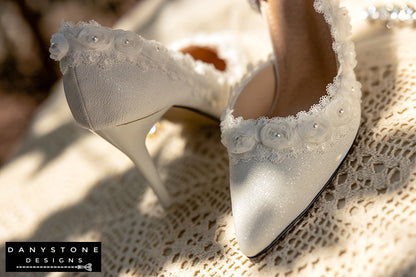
(94, 38)
(126, 41)
(276, 135)
(341, 111)
(315, 125)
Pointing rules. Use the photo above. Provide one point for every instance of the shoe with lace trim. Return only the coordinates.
(292, 120)
(119, 84)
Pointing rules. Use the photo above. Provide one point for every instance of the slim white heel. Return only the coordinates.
(118, 85)
(130, 139)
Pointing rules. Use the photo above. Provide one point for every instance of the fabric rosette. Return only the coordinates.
(277, 135)
(128, 43)
(95, 37)
(314, 130)
(59, 46)
(239, 140)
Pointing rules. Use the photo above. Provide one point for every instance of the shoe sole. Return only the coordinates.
(214, 118)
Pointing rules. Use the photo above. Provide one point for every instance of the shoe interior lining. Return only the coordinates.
(205, 54)
(306, 62)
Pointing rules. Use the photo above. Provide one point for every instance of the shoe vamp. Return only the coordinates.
(267, 197)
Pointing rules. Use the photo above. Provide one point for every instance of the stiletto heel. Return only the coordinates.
(130, 139)
(118, 85)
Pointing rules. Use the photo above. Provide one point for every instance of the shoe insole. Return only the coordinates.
(306, 62)
(205, 54)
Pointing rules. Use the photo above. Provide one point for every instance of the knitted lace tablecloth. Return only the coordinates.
(66, 184)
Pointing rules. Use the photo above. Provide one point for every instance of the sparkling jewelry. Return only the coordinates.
(391, 16)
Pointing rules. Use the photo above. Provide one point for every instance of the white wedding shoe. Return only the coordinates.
(292, 120)
(118, 85)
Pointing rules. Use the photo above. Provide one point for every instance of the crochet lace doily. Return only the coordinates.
(66, 184)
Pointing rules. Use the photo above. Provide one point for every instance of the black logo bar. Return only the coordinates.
(53, 256)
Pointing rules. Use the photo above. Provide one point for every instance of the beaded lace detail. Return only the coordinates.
(325, 123)
(92, 44)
